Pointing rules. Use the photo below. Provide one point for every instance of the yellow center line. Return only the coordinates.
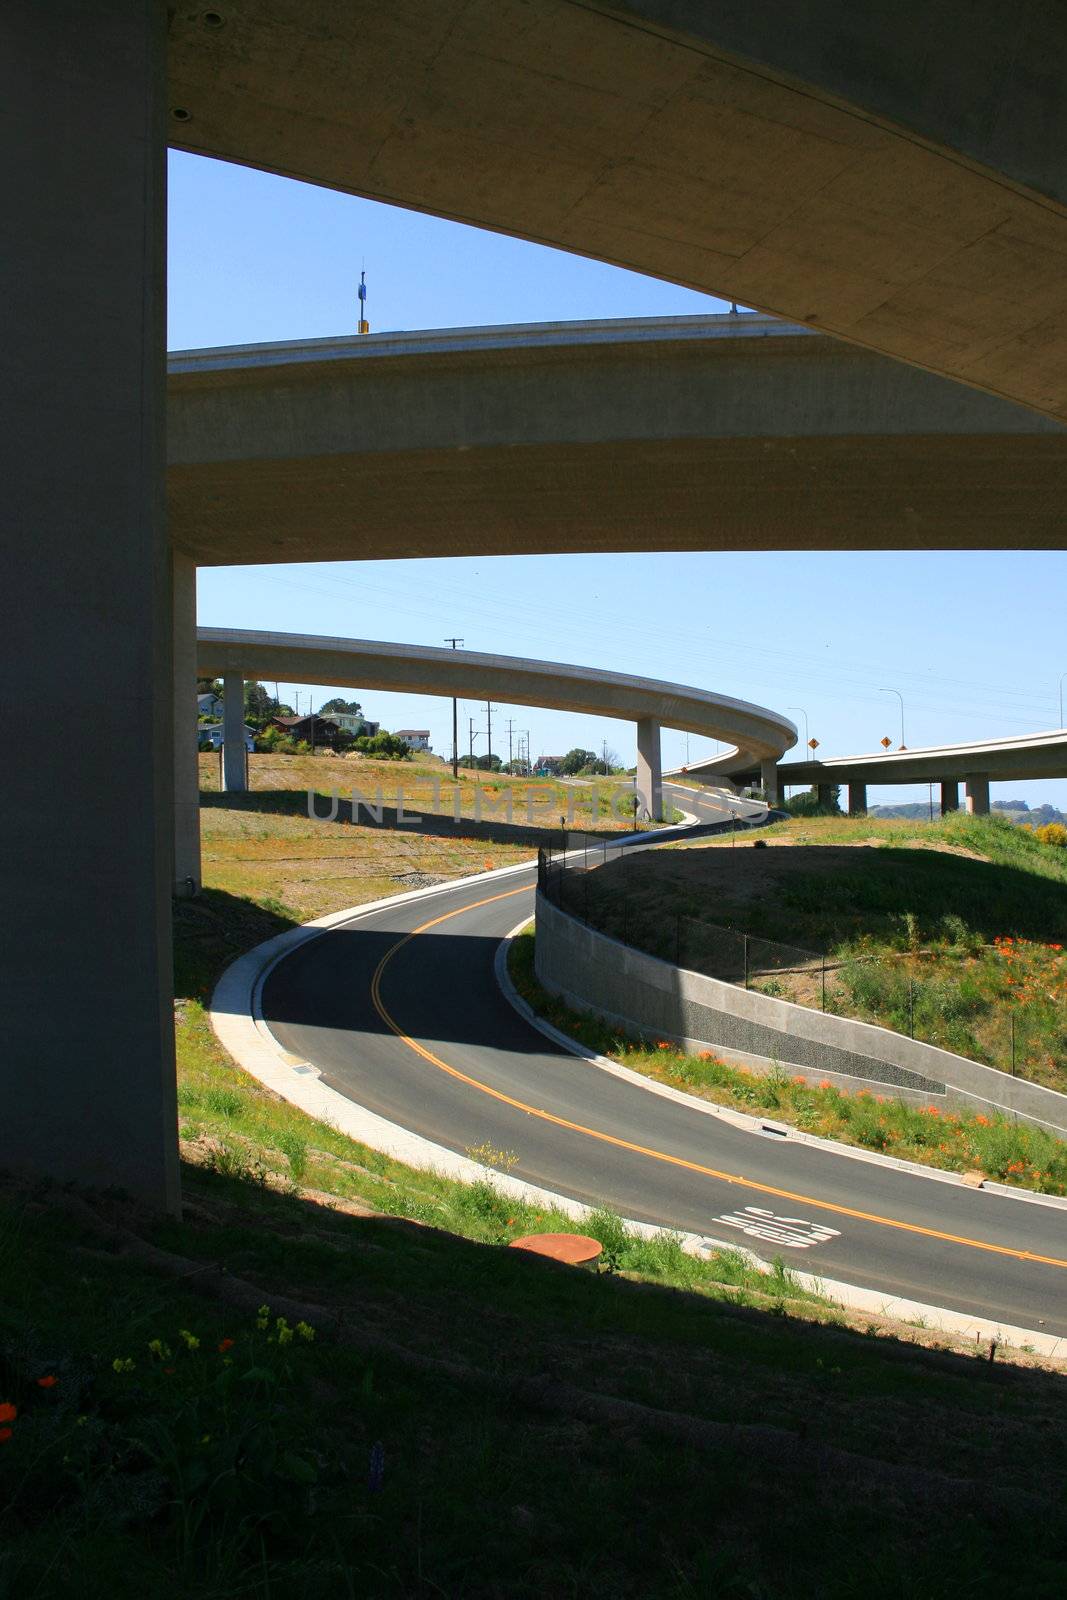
(645, 1150)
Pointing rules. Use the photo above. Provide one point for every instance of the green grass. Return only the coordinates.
(666, 1428)
(540, 1427)
(961, 945)
(959, 1141)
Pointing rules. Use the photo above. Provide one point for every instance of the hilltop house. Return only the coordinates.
(313, 729)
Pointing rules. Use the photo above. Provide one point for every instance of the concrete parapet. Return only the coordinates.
(654, 998)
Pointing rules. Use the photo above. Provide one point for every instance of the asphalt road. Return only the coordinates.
(401, 1012)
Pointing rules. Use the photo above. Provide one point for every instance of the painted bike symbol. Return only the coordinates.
(795, 1232)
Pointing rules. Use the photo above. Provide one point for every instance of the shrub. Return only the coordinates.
(1054, 833)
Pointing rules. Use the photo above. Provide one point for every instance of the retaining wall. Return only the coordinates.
(594, 972)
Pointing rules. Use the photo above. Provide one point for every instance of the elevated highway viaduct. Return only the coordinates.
(234, 655)
(1021, 758)
(702, 433)
(892, 176)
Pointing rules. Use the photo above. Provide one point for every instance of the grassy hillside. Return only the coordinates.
(263, 845)
(330, 1377)
(955, 932)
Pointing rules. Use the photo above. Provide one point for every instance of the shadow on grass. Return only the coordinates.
(819, 895)
(552, 1493)
(214, 929)
(489, 830)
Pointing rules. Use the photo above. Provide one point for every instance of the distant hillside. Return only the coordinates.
(1015, 810)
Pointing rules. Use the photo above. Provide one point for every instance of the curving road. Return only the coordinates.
(400, 1011)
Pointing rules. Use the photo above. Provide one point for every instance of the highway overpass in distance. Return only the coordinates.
(726, 432)
(976, 764)
(236, 655)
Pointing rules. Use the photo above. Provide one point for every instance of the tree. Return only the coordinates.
(384, 747)
(807, 804)
(353, 707)
(576, 761)
(259, 705)
(209, 686)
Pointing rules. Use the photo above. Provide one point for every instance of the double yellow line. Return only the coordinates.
(646, 1150)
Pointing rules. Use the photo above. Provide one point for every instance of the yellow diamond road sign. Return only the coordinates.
(885, 743)
(813, 744)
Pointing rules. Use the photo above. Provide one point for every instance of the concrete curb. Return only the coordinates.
(240, 1028)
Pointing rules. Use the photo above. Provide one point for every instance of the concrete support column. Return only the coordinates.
(857, 799)
(768, 777)
(186, 759)
(649, 774)
(87, 1090)
(233, 733)
(824, 794)
(977, 794)
(950, 795)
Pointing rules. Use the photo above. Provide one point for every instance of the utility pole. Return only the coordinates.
(489, 726)
(511, 724)
(473, 736)
(455, 643)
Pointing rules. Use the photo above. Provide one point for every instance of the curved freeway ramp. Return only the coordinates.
(756, 733)
(396, 1011)
(662, 433)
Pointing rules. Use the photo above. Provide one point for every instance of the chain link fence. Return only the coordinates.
(922, 993)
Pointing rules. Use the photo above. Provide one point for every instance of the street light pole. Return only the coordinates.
(900, 697)
(804, 714)
(1062, 676)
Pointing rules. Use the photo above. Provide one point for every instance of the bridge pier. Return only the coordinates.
(768, 777)
(824, 794)
(978, 794)
(857, 799)
(87, 1090)
(649, 769)
(234, 765)
(187, 879)
(950, 795)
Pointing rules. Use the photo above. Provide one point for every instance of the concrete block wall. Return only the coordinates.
(594, 972)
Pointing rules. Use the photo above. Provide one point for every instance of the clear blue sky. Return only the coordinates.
(975, 642)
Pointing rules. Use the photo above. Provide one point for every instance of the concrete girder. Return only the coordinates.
(723, 432)
(856, 171)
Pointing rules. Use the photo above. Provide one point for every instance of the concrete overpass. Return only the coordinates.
(894, 176)
(720, 432)
(975, 764)
(236, 655)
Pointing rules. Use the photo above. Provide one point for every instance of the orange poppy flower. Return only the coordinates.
(5, 1434)
(8, 1412)
(47, 1383)
(225, 1344)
